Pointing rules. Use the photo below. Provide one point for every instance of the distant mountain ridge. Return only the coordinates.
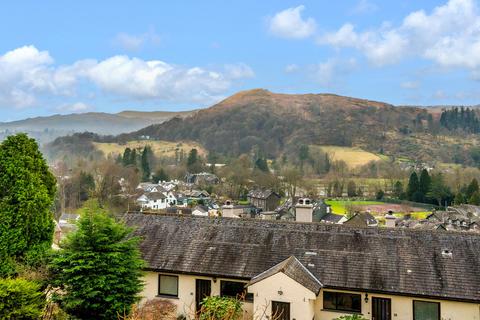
(276, 124)
(47, 128)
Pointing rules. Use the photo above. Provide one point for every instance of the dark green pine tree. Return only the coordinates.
(424, 185)
(27, 192)
(472, 188)
(413, 187)
(98, 268)
(133, 158)
(145, 164)
(261, 164)
(126, 156)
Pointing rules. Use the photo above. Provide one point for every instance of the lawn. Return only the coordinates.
(160, 148)
(340, 206)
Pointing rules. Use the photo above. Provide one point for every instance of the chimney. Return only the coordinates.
(390, 219)
(228, 210)
(304, 210)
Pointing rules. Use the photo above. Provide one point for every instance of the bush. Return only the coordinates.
(152, 310)
(220, 308)
(20, 299)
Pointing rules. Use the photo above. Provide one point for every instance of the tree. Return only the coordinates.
(351, 189)
(459, 199)
(424, 184)
(475, 198)
(398, 189)
(86, 185)
(262, 165)
(21, 299)
(292, 177)
(303, 154)
(27, 193)
(412, 187)
(438, 189)
(98, 268)
(472, 188)
(160, 175)
(193, 161)
(380, 194)
(146, 164)
(127, 157)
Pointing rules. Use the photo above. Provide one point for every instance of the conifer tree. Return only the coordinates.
(413, 186)
(98, 268)
(27, 192)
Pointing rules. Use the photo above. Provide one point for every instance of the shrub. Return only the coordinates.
(20, 299)
(220, 308)
(152, 310)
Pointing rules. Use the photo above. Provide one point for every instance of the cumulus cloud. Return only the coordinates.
(330, 72)
(77, 107)
(238, 71)
(448, 36)
(27, 74)
(134, 42)
(290, 24)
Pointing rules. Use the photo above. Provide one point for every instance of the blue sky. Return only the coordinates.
(63, 57)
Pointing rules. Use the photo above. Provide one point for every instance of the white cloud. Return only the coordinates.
(27, 74)
(291, 68)
(77, 107)
(331, 72)
(134, 42)
(448, 36)
(363, 7)
(240, 70)
(410, 85)
(290, 24)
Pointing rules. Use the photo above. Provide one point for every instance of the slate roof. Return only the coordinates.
(294, 269)
(155, 196)
(331, 218)
(262, 193)
(361, 219)
(388, 260)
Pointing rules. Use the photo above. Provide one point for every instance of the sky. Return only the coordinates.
(108, 56)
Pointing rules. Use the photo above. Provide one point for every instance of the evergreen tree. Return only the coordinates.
(303, 155)
(398, 189)
(193, 162)
(98, 268)
(262, 165)
(145, 164)
(475, 198)
(127, 157)
(27, 192)
(133, 158)
(413, 186)
(21, 299)
(459, 199)
(424, 184)
(327, 163)
(86, 185)
(160, 175)
(472, 188)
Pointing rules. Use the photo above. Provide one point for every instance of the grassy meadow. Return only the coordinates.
(160, 148)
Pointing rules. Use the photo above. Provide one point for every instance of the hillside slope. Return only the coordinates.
(48, 128)
(277, 123)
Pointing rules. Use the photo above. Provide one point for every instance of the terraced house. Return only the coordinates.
(307, 271)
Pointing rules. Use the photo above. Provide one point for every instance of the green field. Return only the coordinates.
(159, 148)
(340, 206)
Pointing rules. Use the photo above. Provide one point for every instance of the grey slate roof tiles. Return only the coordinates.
(400, 261)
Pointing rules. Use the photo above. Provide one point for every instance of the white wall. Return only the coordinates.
(186, 293)
(302, 300)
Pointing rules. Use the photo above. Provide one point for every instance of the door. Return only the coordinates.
(203, 288)
(381, 309)
(280, 310)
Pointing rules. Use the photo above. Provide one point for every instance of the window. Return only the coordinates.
(426, 310)
(235, 290)
(167, 285)
(342, 301)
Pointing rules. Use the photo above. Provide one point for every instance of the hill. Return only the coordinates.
(277, 123)
(46, 129)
